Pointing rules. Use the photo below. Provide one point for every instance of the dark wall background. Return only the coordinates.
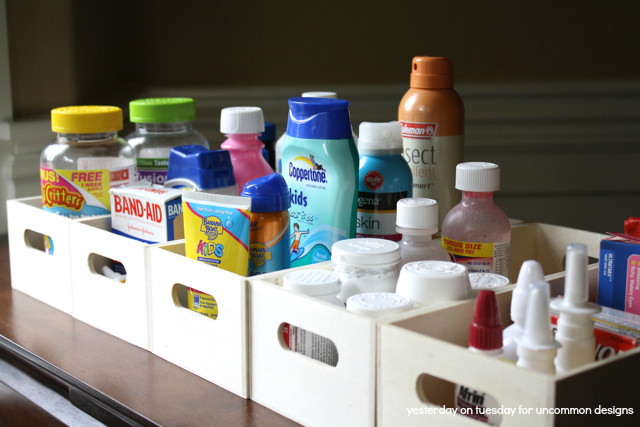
(74, 51)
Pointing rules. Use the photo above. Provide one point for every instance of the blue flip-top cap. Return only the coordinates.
(207, 169)
(319, 118)
(269, 193)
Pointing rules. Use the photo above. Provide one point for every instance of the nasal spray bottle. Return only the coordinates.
(536, 347)
(575, 323)
(530, 272)
(485, 337)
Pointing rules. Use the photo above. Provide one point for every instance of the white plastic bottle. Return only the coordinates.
(476, 232)
(575, 322)
(536, 347)
(417, 221)
(485, 337)
(530, 272)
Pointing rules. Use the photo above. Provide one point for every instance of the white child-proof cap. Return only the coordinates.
(378, 304)
(365, 252)
(380, 136)
(487, 281)
(434, 282)
(417, 216)
(241, 120)
(478, 176)
(312, 282)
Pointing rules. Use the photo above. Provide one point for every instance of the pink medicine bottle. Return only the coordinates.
(476, 232)
(242, 126)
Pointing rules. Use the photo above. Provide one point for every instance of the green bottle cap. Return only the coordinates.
(162, 110)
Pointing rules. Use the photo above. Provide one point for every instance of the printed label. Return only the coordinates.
(320, 200)
(432, 160)
(81, 193)
(480, 257)
(202, 303)
(217, 235)
(633, 284)
(153, 170)
(312, 345)
(269, 247)
(377, 215)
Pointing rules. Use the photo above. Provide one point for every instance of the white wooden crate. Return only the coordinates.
(297, 386)
(421, 359)
(120, 309)
(46, 277)
(214, 349)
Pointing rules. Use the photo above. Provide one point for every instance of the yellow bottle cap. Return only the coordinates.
(86, 119)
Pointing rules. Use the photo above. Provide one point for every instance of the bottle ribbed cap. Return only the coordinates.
(417, 213)
(86, 119)
(380, 136)
(162, 110)
(485, 331)
(477, 176)
(241, 120)
(431, 72)
(365, 251)
(312, 282)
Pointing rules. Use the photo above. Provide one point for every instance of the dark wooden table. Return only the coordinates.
(114, 381)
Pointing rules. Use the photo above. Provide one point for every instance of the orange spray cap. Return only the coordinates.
(431, 72)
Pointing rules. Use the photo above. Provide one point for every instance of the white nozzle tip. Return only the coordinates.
(537, 333)
(530, 272)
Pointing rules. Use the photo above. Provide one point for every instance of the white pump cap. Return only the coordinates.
(417, 215)
(319, 94)
(380, 137)
(530, 272)
(477, 176)
(241, 120)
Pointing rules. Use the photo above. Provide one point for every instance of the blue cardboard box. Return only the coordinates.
(619, 274)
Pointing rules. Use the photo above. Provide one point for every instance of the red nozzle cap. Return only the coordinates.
(431, 72)
(485, 331)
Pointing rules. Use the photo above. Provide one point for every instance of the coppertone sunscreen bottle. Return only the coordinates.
(432, 117)
(485, 337)
(320, 166)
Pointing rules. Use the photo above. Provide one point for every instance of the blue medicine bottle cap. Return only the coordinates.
(205, 169)
(269, 193)
(269, 133)
(319, 118)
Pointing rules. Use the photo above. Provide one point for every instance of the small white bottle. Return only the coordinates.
(417, 221)
(485, 337)
(536, 347)
(366, 265)
(530, 272)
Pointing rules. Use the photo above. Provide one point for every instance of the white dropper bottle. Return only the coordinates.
(530, 272)
(575, 323)
(536, 346)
